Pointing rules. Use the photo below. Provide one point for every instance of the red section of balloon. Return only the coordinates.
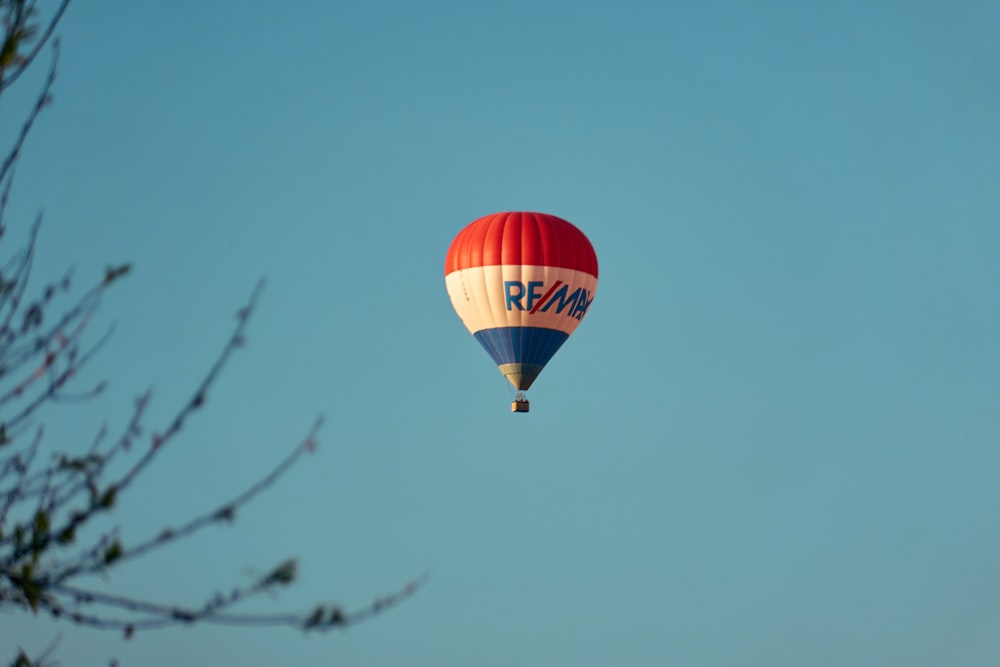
(521, 239)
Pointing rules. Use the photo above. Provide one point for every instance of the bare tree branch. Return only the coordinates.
(40, 103)
(227, 511)
(50, 499)
(25, 61)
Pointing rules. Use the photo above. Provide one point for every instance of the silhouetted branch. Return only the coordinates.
(155, 616)
(41, 660)
(46, 507)
(198, 400)
(45, 585)
(23, 62)
(227, 511)
(40, 103)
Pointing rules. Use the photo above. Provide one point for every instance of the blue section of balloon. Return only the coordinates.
(522, 345)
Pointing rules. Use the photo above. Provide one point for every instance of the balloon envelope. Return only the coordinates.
(521, 282)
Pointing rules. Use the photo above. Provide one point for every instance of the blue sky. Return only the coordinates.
(773, 441)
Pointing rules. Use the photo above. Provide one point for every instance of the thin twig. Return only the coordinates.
(225, 512)
(53, 22)
(40, 102)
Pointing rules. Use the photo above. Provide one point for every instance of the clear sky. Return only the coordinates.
(775, 439)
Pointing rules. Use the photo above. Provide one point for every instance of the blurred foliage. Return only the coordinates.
(49, 500)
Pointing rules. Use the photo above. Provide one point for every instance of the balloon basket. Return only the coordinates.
(520, 404)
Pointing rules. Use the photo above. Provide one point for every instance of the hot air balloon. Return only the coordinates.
(521, 283)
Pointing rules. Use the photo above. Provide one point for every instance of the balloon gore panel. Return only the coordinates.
(521, 282)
